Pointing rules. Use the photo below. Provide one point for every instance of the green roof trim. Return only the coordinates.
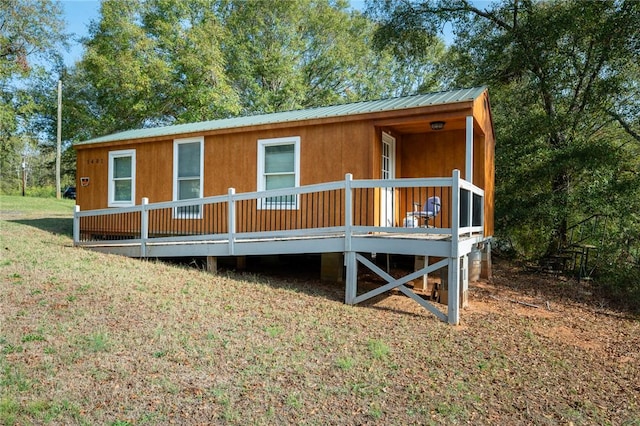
(392, 104)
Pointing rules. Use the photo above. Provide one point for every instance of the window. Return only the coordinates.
(122, 178)
(279, 167)
(187, 174)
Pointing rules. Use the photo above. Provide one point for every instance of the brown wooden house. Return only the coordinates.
(361, 169)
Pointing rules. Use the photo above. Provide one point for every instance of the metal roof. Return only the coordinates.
(400, 103)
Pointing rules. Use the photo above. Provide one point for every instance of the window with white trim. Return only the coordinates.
(188, 165)
(122, 178)
(279, 167)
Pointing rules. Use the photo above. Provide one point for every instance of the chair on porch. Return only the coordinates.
(430, 210)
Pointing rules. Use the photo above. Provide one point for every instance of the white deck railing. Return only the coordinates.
(349, 208)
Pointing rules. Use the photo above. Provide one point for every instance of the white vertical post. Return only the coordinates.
(76, 225)
(420, 262)
(348, 211)
(231, 220)
(455, 212)
(468, 170)
(464, 275)
(351, 285)
(453, 301)
(144, 227)
(351, 281)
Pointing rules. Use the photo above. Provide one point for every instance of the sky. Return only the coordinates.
(78, 14)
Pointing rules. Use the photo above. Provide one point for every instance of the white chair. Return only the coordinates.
(430, 210)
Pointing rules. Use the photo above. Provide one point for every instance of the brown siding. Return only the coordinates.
(327, 153)
(432, 154)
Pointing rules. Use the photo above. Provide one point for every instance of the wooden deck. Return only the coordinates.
(222, 228)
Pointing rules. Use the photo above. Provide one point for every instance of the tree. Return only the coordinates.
(300, 54)
(158, 62)
(153, 63)
(565, 96)
(31, 34)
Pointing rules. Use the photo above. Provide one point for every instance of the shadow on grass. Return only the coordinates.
(300, 274)
(54, 225)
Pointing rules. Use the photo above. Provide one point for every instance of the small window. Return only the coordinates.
(188, 157)
(122, 178)
(279, 167)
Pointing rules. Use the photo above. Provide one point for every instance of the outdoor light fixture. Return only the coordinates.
(437, 125)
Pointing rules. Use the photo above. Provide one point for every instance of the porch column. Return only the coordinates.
(468, 170)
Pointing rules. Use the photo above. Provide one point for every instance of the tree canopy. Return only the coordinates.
(31, 39)
(564, 84)
(159, 62)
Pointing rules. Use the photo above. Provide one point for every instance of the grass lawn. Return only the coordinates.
(87, 338)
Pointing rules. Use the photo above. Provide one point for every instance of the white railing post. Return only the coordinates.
(231, 220)
(482, 213)
(351, 263)
(76, 225)
(348, 211)
(455, 212)
(144, 227)
(470, 211)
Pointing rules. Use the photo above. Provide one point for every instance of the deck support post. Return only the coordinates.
(332, 267)
(419, 263)
(241, 263)
(351, 287)
(464, 287)
(485, 262)
(453, 292)
(212, 264)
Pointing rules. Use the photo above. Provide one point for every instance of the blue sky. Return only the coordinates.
(78, 14)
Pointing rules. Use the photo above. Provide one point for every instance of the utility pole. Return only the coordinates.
(24, 174)
(58, 153)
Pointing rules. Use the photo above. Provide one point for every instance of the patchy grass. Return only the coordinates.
(87, 338)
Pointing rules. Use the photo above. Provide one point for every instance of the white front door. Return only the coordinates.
(388, 172)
